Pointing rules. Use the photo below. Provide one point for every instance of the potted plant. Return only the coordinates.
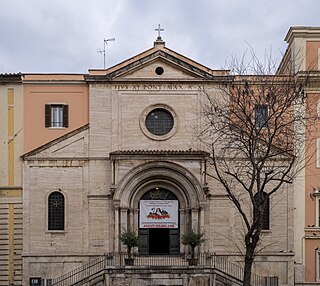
(130, 240)
(193, 239)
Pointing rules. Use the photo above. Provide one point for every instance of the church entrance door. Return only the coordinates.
(159, 223)
(159, 241)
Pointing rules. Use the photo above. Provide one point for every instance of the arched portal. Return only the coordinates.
(142, 184)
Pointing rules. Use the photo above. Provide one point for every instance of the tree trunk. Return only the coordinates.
(248, 261)
(251, 243)
(192, 251)
(129, 251)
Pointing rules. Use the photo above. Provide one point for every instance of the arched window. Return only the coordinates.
(260, 199)
(56, 211)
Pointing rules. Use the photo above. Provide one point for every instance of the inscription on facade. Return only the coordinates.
(153, 86)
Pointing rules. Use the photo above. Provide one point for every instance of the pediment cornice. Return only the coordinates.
(175, 60)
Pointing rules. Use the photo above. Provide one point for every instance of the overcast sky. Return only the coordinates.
(48, 36)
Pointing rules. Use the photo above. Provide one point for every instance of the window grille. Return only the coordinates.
(159, 122)
(261, 115)
(56, 211)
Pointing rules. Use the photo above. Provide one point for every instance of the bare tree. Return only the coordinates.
(255, 127)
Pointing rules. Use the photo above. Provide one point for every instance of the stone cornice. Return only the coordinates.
(302, 31)
(198, 71)
(179, 154)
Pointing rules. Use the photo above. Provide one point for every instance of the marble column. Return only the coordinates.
(130, 222)
(183, 227)
(116, 229)
(123, 224)
(201, 229)
(136, 220)
(195, 219)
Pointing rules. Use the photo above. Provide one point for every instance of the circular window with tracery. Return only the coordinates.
(158, 122)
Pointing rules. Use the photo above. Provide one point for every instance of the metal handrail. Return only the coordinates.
(93, 267)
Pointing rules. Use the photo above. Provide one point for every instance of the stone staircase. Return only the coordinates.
(111, 270)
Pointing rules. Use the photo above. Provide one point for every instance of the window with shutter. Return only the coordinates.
(48, 115)
(65, 112)
(57, 115)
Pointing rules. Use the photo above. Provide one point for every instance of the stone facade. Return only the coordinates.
(103, 170)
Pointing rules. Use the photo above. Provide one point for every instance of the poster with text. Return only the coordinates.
(159, 214)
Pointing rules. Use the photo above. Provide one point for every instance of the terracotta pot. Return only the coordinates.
(193, 261)
(129, 261)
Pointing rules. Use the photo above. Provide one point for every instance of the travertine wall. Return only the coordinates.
(116, 112)
(104, 170)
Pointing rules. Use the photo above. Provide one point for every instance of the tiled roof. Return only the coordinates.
(9, 74)
(10, 77)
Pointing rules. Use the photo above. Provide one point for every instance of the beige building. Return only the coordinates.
(11, 138)
(139, 156)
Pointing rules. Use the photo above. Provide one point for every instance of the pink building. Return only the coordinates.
(54, 104)
(303, 55)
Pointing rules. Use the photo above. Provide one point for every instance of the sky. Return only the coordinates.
(64, 36)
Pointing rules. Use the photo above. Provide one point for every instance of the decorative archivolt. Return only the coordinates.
(171, 176)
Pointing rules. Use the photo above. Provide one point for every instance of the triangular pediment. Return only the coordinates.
(71, 145)
(145, 66)
(160, 69)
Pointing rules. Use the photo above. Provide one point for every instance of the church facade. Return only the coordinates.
(117, 150)
(139, 165)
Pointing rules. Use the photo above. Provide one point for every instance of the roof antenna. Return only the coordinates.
(105, 42)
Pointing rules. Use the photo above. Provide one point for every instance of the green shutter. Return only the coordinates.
(47, 115)
(65, 116)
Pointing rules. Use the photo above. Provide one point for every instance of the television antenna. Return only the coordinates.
(105, 42)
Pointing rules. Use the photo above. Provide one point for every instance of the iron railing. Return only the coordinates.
(82, 273)
(211, 260)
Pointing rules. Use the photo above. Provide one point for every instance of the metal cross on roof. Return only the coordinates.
(159, 31)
